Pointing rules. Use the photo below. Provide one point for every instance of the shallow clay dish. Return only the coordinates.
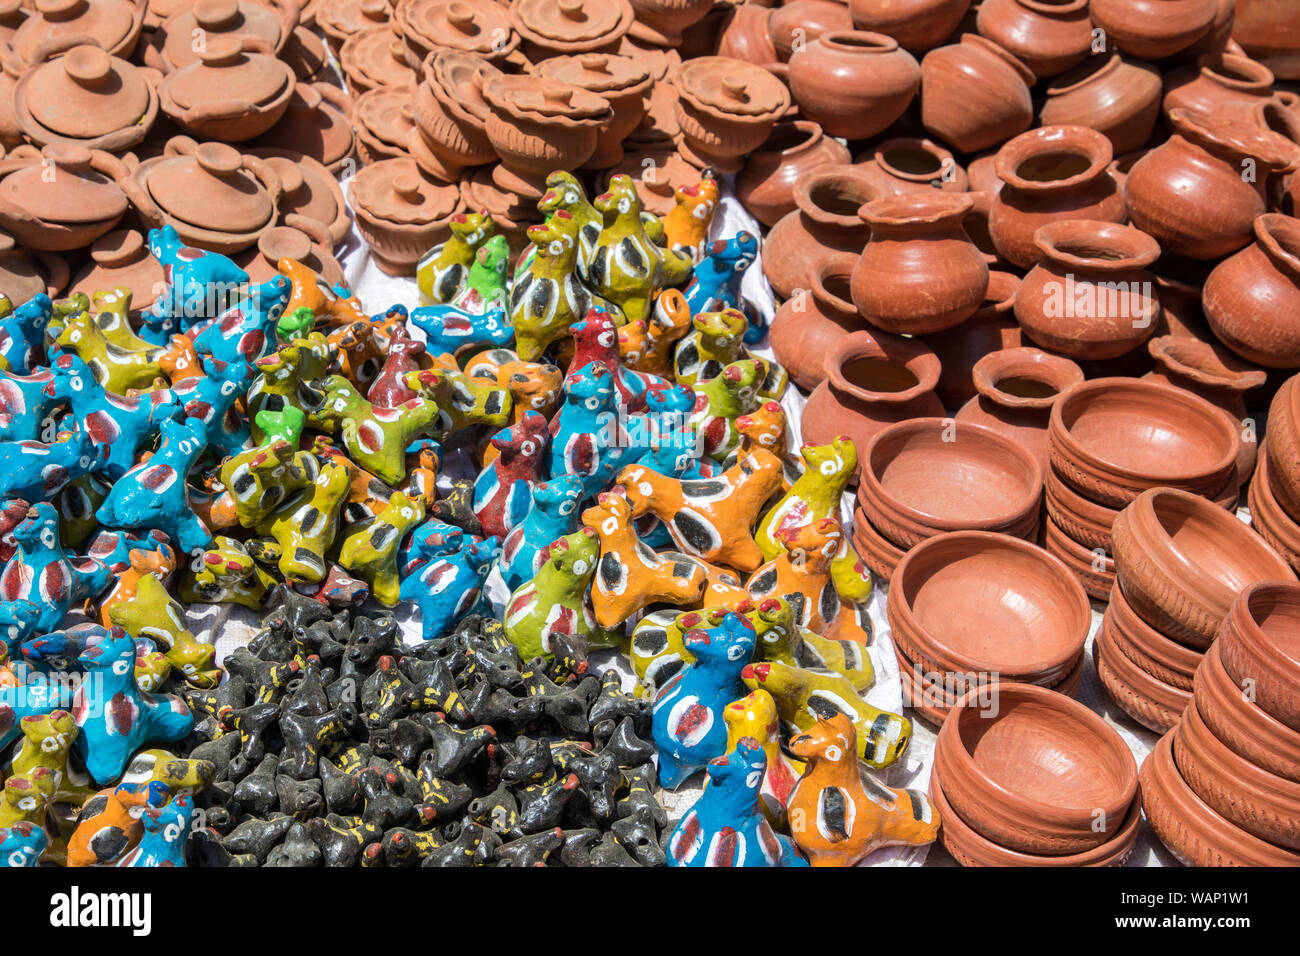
(1087, 522)
(1163, 659)
(1260, 641)
(1152, 703)
(1094, 567)
(1268, 518)
(1241, 723)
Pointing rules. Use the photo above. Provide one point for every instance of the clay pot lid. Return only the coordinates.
(86, 93)
(394, 190)
(932, 207)
(729, 88)
(379, 55)
(1096, 246)
(1219, 133)
(284, 242)
(118, 248)
(1205, 363)
(572, 24)
(659, 61)
(75, 192)
(1024, 377)
(387, 112)
(352, 16)
(210, 188)
(601, 73)
(457, 79)
(110, 22)
(524, 97)
(226, 72)
(212, 18)
(459, 24)
(305, 184)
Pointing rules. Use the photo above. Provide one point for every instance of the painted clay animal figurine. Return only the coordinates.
(552, 514)
(715, 341)
(166, 832)
(533, 386)
(565, 193)
(389, 388)
(715, 284)
(376, 438)
(199, 283)
(160, 562)
(246, 331)
(212, 400)
(25, 406)
(755, 716)
(442, 272)
(459, 400)
(358, 352)
(450, 330)
(781, 639)
(227, 575)
(22, 333)
(487, 288)
(838, 815)
(35, 471)
(26, 797)
(152, 613)
(595, 339)
(290, 377)
(109, 825)
(721, 400)
(41, 571)
(99, 332)
(802, 574)
(686, 227)
(672, 446)
(432, 539)
(587, 437)
(259, 480)
(549, 616)
(329, 305)
(304, 526)
(180, 361)
(22, 844)
(447, 587)
(369, 548)
(548, 296)
(503, 489)
(647, 345)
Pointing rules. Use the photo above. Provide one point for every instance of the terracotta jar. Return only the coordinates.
(114, 24)
(912, 164)
(315, 123)
(308, 190)
(974, 94)
(1017, 389)
(286, 242)
(855, 84)
(661, 22)
(766, 185)
(1268, 31)
(562, 27)
(340, 19)
(12, 15)
(726, 108)
(1259, 644)
(1050, 174)
(1048, 36)
(809, 325)
(25, 273)
(385, 119)
(228, 94)
(1250, 296)
(872, 380)
(918, 25)
(919, 272)
(1189, 192)
(173, 45)
(795, 24)
(992, 328)
(374, 58)
(400, 213)
(1116, 95)
(1091, 295)
(66, 199)
(620, 80)
(482, 27)
(1154, 29)
(744, 35)
(452, 113)
(122, 258)
(1214, 80)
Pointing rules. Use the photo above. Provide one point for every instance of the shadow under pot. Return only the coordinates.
(1252, 299)
(991, 328)
(811, 324)
(1113, 94)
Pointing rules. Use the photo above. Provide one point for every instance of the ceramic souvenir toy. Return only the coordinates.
(686, 227)
(115, 367)
(460, 401)
(367, 495)
(37, 695)
(246, 330)
(765, 427)
(290, 377)
(802, 573)
(715, 284)
(304, 526)
(258, 480)
(160, 562)
(12, 512)
(42, 573)
(565, 193)
(647, 345)
(447, 587)
(839, 815)
(178, 774)
(228, 574)
(369, 548)
(22, 333)
(22, 844)
(587, 437)
(781, 639)
(715, 341)
(657, 647)
(377, 438)
(450, 330)
(533, 386)
(487, 288)
(548, 296)
(552, 514)
(154, 614)
(432, 539)
(47, 739)
(212, 398)
(755, 716)
(166, 832)
(329, 305)
(24, 405)
(503, 489)
(111, 309)
(340, 590)
(18, 621)
(114, 547)
(548, 615)
(26, 797)
(442, 272)
(673, 446)
(110, 825)
(404, 354)
(719, 401)
(180, 361)
(595, 339)
(198, 286)
(358, 350)
(687, 722)
(35, 471)
(284, 425)
(423, 460)
(76, 503)
(295, 324)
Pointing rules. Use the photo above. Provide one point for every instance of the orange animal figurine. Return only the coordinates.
(160, 563)
(180, 362)
(360, 355)
(802, 574)
(686, 227)
(648, 346)
(308, 290)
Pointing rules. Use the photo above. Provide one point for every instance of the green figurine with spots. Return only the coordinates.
(115, 367)
(781, 639)
(227, 575)
(719, 401)
(487, 288)
(285, 425)
(458, 400)
(369, 548)
(550, 615)
(289, 377)
(153, 613)
(376, 438)
(548, 296)
(259, 480)
(715, 341)
(295, 324)
(304, 527)
(442, 271)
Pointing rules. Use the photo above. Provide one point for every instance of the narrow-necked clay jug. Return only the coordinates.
(1251, 299)
(766, 185)
(854, 83)
(993, 327)
(1116, 95)
(810, 324)
(1216, 79)
(974, 94)
(1048, 36)
(919, 25)
(1154, 29)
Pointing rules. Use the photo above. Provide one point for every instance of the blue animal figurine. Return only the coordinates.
(503, 490)
(200, 286)
(115, 716)
(35, 471)
(22, 844)
(725, 826)
(36, 695)
(446, 587)
(686, 720)
(587, 438)
(114, 547)
(246, 331)
(552, 515)
(166, 833)
(25, 405)
(672, 445)
(18, 619)
(42, 573)
(211, 399)
(22, 334)
(429, 540)
(716, 283)
(449, 330)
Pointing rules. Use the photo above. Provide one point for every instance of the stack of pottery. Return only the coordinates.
(1223, 787)
(1025, 776)
(1274, 494)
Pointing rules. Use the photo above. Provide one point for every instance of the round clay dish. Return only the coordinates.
(1260, 641)
(1152, 703)
(1241, 723)
(1094, 567)
(1165, 660)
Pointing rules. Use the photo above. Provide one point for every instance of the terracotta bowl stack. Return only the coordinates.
(1274, 495)
(1025, 776)
(972, 608)
(1223, 787)
(1181, 562)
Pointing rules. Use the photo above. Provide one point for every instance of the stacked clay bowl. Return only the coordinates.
(968, 609)
(1223, 787)
(1274, 494)
(1181, 561)
(1111, 439)
(1029, 777)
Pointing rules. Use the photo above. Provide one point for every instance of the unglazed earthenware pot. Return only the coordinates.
(853, 83)
(1164, 659)
(1283, 441)
(1258, 642)
(809, 325)
(797, 23)
(376, 57)
(726, 108)
(622, 81)
(452, 113)
(1268, 517)
(122, 258)
(173, 46)
(1114, 94)
(974, 94)
(1269, 32)
(113, 24)
(65, 199)
(480, 27)
(1048, 36)
(1250, 297)
(1242, 724)
(912, 164)
(992, 327)
(565, 27)
(401, 213)
(766, 185)
(229, 93)
(918, 25)
(661, 22)
(1148, 700)
(315, 123)
(1216, 79)
(1154, 29)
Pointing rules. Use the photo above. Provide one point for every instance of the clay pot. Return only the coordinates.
(855, 84)
(655, 171)
(810, 325)
(910, 164)
(11, 68)
(66, 199)
(122, 258)
(872, 380)
(1017, 389)
(918, 25)
(286, 242)
(726, 108)
(340, 19)
(1090, 296)
(401, 213)
(766, 185)
(1283, 443)
(228, 94)
(1048, 175)
(305, 53)
(620, 80)
(1078, 518)
(271, 21)
(974, 94)
(1148, 700)
(308, 190)
(877, 552)
(1269, 33)
(919, 272)
(1258, 643)
(1214, 80)
(1189, 193)
(25, 273)
(563, 27)
(1048, 36)
(112, 24)
(744, 35)
(1092, 566)
(1154, 29)
(385, 120)
(1249, 298)
(1268, 517)
(12, 15)
(1242, 724)
(991, 328)
(794, 25)
(1113, 94)
(314, 124)
(661, 22)
(1164, 659)
(376, 57)
(1034, 775)
(481, 27)
(452, 113)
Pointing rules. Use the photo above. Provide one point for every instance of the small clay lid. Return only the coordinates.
(394, 190)
(305, 184)
(212, 18)
(346, 17)
(474, 27)
(312, 124)
(118, 248)
(457, 80)
(110, 22)
(210, 189)
(387, 112)
(525, 97)
(572, 25)
(226, 72)
(379, 55)
(64, 187)
(86, 93)
(284, 242)
(602, 73)
(729, 88)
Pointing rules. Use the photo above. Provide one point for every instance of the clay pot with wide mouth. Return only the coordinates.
(877, 552)
(811, 324)
(1282, 440)
(1250, 298)
(661, 22)
(1092, 566)
(385, 120)
(229, 94)
(113, 25)
(1050, 174)
(1214, 80)
(86, 98)
(991, 328)
(375, 58)
(1148, 700)
(919, 271)
(340, 19)
(1037, 774)
(1189, 192)
(401, 213)
(1260, 642)
(481, 27)
(1243, 725)
(872, 380)
(1164, 659)
(974, 94)
(452, 113)
(918, 25)
(28, 272)
(314, 123)
(308, 190)
(1113, 94)
(271, 21)
(1091, 296)
(122, 258)
(1017, 389)
(744, 35)
(1269, 518)
(620, 80)
(913, 164)
(1269, 33)
(1154, 29)
(726, 109)
(311, 249)
(65, 199)
(1048, 36)
(797, 23)
(766, 185)
(854, 84)
(564, 27)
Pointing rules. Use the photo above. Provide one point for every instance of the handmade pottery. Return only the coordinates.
(1154, 29)
(1256, 644)
(659, 172)
(916, 165)
(376, 57)
(401, 213)
(918, 25)
(570, 27)
(65, 199)
(121, 258)
(315, 124)
(726, 108)
(1048, 37)
(85, 98)
(1150, 701)
(1160, 656)
(991, 328)
(113, 24)
(1235, 294)
(662, 22)
(1215, 80)
(483, 29)
(854, 84)
(715, 279)
(452, 113)
(1241, 723)
(621, 80)
(794, 25)
(808, 326)
(627, 268)
(339, 19)
(1269, 35)
(1111, 93)
(744, 35)
(974, 94)
(173, 47)
(1283, 442)
(1269, 518)
(229, 94)
(766, 185)
(308, 190)
(385, 122)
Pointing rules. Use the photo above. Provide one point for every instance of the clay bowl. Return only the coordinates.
(1182, 560)
(1151, 702)
(1191, 830)
(1241, 723)
(1260, 641)
(1113, 438)
(1087, 522)
(879, 553)
(1282, 441)
(1163, 659)
(924, 476)
(1094, 567)
(976, 602)
(1268, 518)
(970, 848)
(1031, 772)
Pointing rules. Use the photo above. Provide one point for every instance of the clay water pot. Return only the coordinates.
(810, 325)
(1116, 95)
(481, 27)
(538, 127)
(1050, 174)
(374, 58)
(1033, 775)
(794, 25)
(122, 258)
(1269, 518)
(620, 80)
(1017, 389)
(314, 123)
(66, 199)
(1214, 80)
(1164, 659)
(1189, 193)
(1269, 33)
(401, 213)
(112, 24)
(1250, 297)
(911, 164)
(271, 21)
(744, 35)
(661, 22)
(974, 94)
(385, 120)
(853, 83)
(1241, 723)
(25, 273)
(766, 185)
(872, 380)
(919, 272)
(1048, 36)
(452, 113)
(1258, 643)
(340, 19)
(564, 27)
(1154, 29)
(229, 94)
(992, 327)
(726, 108)
(1282, 439)
(918, 25)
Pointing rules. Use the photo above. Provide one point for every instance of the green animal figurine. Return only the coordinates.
(549, 615)
(290, 377)
(549, 296)
(719, 401)
(369, 548)
(442, 271)
(376, 438)
(715, 341)
(152, 613)
(304, 526)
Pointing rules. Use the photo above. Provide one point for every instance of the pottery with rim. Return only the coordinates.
(1048, 36)
(766, 185)
(1258, 642)
(1250, 297)
(974, 94)
(622, 81)
(809, 325)
(122, 258)
(339, 19)
(308, 189)
(1164, 659)
(113, 24)
(27, 272)
(230, 93)
(796, 23)
(376, 57)
(64, 199)
(1114, 94)
(1241, 723)
(726, 109)
(918, 25)
(1148, 700)
(481, 27)
(172, 46)
(915, 164)
(991, 328)
(1268, 517)
(1093, 566)
(385, 120)
(1154, 29)
(452, 113)
(1216, 79)
(1079, 518)
(853, 83)
(1282, 440)
(1269, 33)
(878, 553)
(562, 27)
(401, 213)
(661, 22)
(744, 35)
(307, 244)
(315, 123)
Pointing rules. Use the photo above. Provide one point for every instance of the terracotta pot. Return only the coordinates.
(974, 94)
(376, 57)
(1249, 296)
(122, 258)
(25, 273)
(1269, 519)
(562, 27)
(855, 84)
(766, 185)
(794, 25)
(305, 53)
(620, 80)
(1048, 175)
(1093, 566)
(113, 24)
(810, 325)
(991, 328)
(1154, 29)
(12, 15)
(661, 22)
(385, 119)
(286, 242)
(726, 108)
(1164, 659)
(511, 219)
(1282, 440)
(315, 124)
(1151, 702)
(1180, 309)
(340, 19)
(1240, 723)
(744, 35)
(1048, 36)
(452, 113)
(1268, 31)
(401, 213)
(1113, 94)
(872, 380)
(66, 199)
(878, 553)
(480, 27)
(1017, 389)
(1080, 519)
(912, 164)
(919, 272)
(1258, 643)
(308, 190)
(228, 94)
(655, 171)
(918, 25)
(173, 46)
(1214, 80)
(11, 68)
